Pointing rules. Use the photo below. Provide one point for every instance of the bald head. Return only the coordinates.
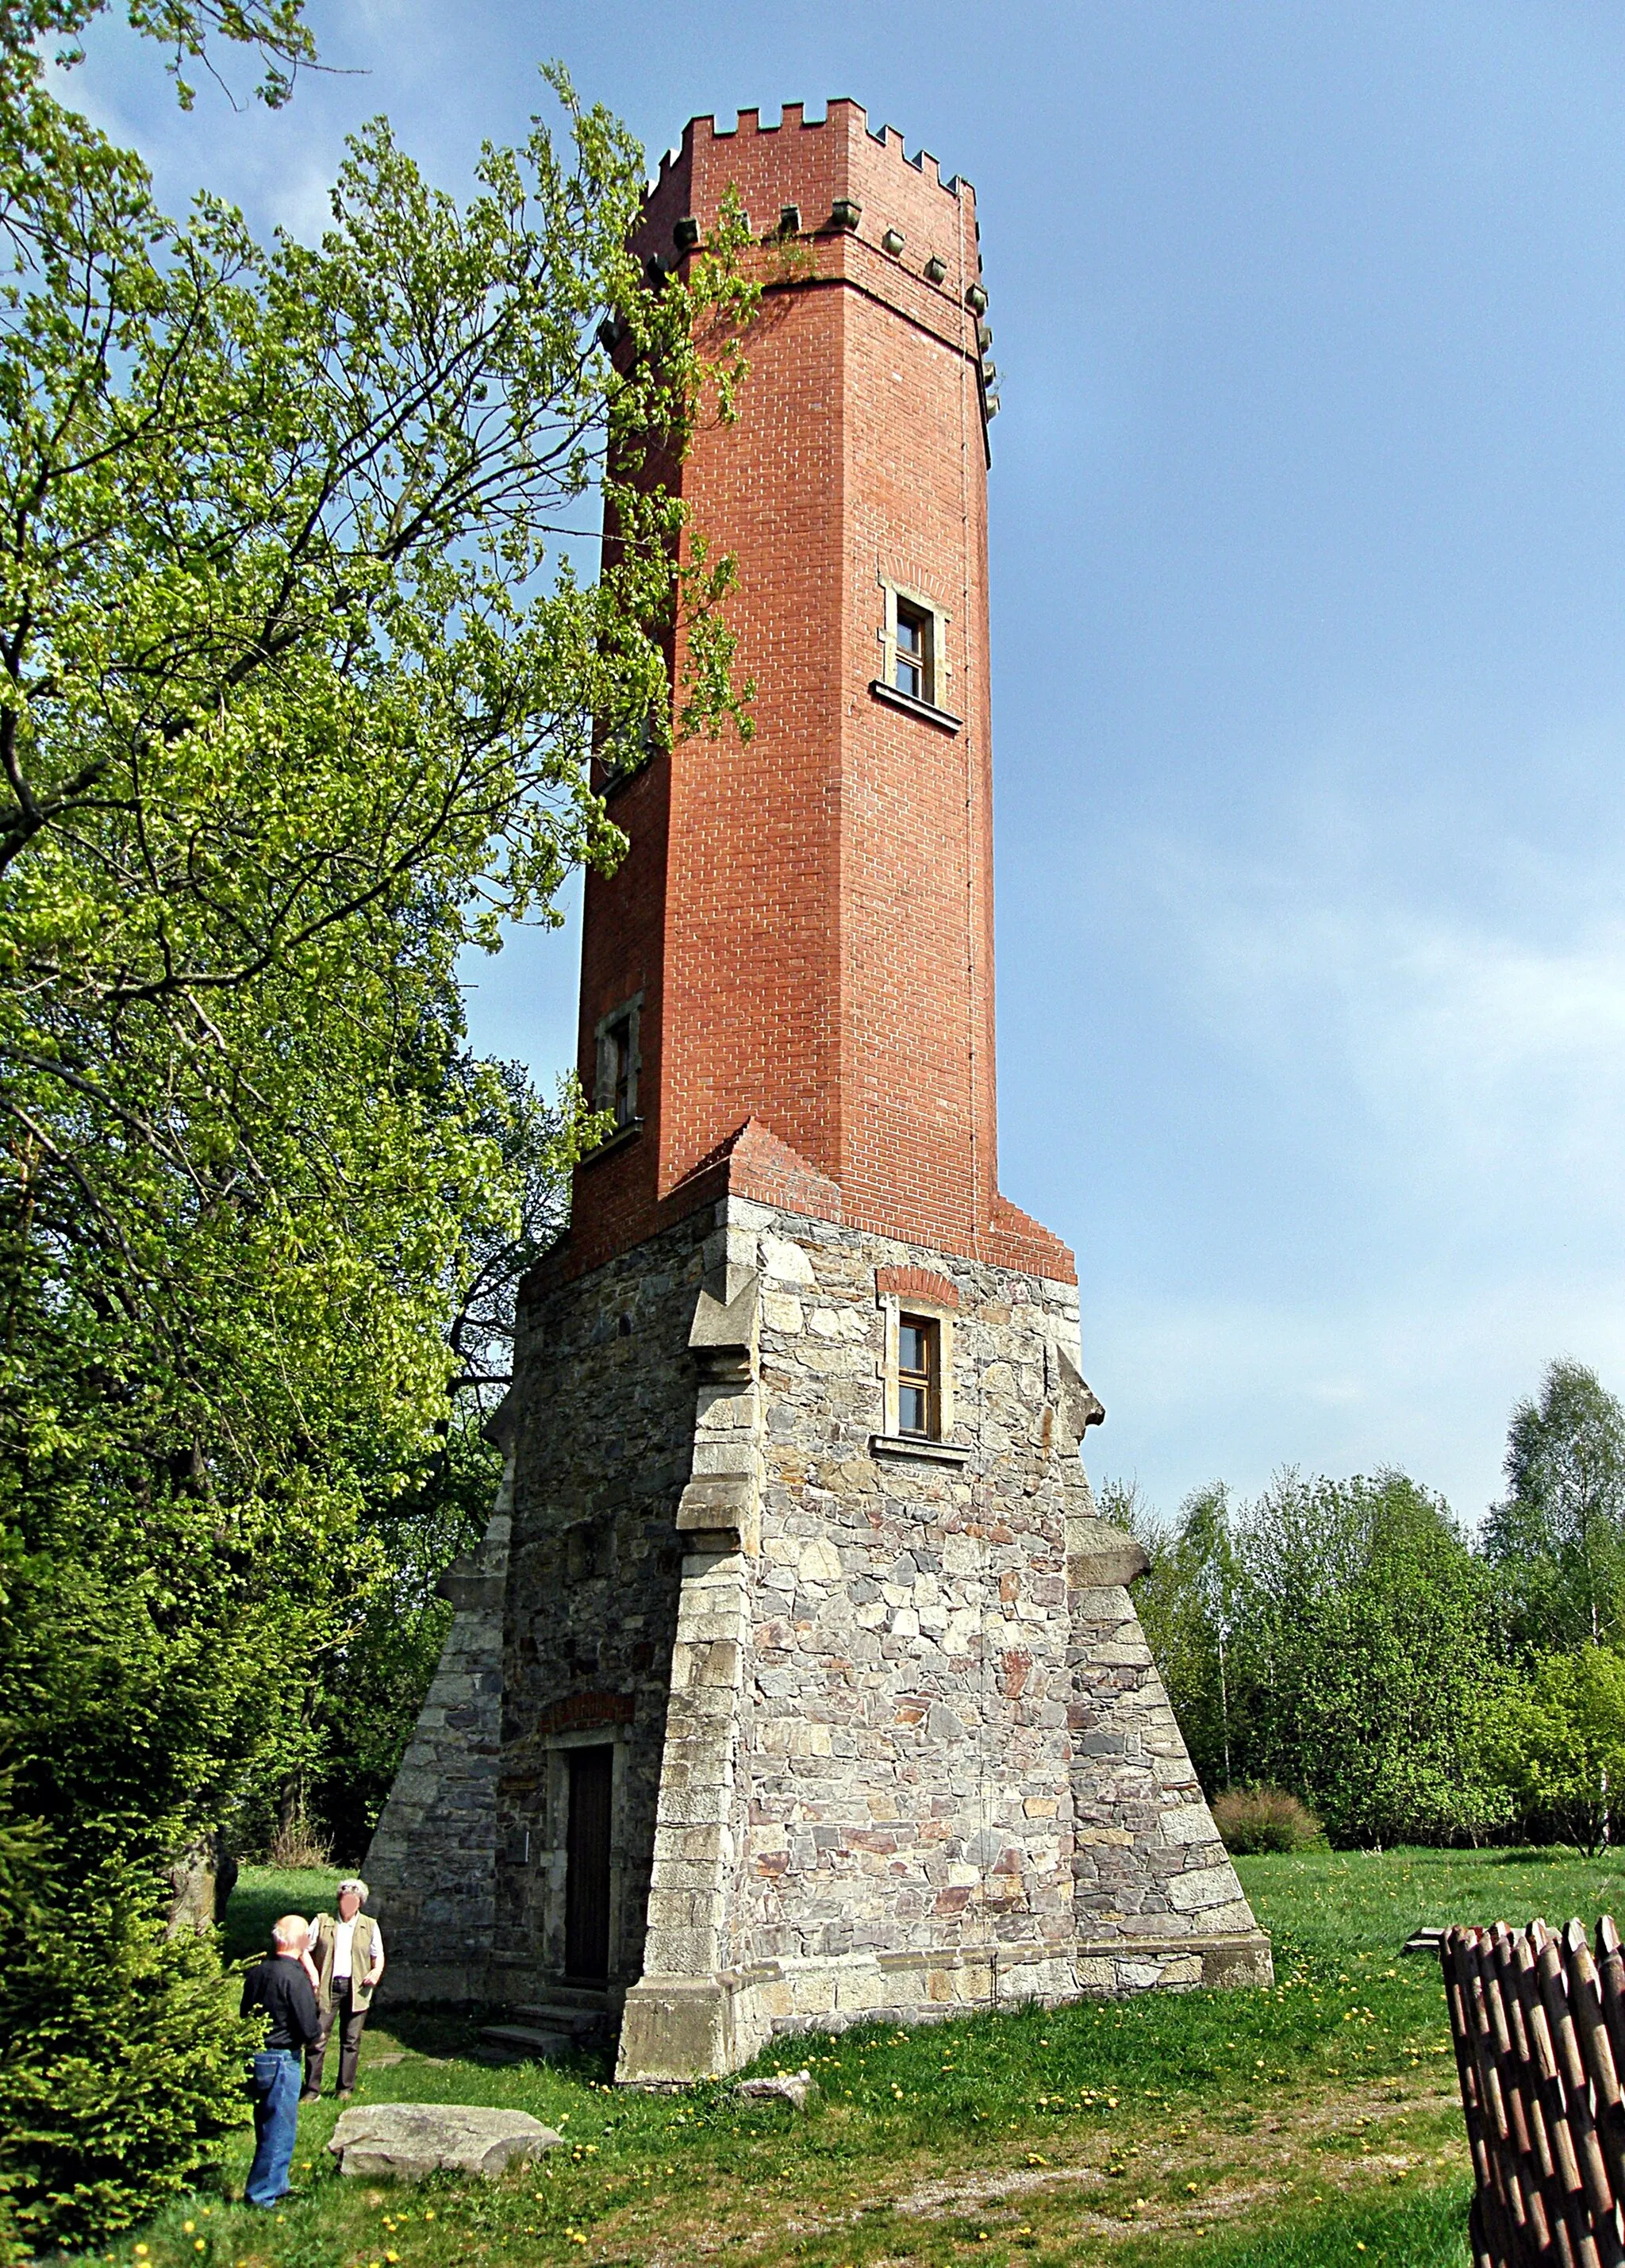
(290, 1934)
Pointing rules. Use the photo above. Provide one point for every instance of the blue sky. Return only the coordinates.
(1308, 553)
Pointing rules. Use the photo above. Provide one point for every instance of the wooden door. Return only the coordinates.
(586, 1872)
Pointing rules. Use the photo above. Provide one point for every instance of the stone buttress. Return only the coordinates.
(433, 1853)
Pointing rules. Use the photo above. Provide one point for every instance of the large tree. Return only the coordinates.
(1556, 1540)
(297, 702)
(1364, 1656)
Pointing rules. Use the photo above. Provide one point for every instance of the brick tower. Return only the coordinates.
(797, 1679)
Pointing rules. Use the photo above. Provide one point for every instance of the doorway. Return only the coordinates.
(586, 1866)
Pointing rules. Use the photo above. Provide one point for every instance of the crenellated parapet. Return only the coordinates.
(858, 206)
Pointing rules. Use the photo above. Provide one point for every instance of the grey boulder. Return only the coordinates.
(796, 2087)
(404, 2141)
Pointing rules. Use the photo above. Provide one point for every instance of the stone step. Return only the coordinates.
(558, 1995)
(529, 2040)
(562, 2015)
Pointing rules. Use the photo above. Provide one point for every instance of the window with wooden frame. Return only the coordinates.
(914, 659)
(919, 1377)
(616, 1087)
(917, 1412)
(912, 639)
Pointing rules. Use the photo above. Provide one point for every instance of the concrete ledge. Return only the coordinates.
(912, 1445)
(1239, 1962)
(945, 720)
(619, 1140)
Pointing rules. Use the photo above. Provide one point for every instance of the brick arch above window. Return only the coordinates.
(922, 1285)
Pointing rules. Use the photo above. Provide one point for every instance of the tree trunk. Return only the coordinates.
(200, 1880)
(1224, 1707)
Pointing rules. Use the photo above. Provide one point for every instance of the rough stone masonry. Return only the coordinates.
(797, 1681)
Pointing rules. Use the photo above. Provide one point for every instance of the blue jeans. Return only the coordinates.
(275, 2079)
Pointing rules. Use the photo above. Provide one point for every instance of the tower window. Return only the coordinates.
(622, 1078)
(914, 650)
(919, 1371)
(913, 670)
(625, 755)
(615, 1086)
(916, 1408)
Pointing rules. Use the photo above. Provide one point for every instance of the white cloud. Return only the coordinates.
(302, 202)
(1412, 1198)
(1423, 1377)
(1477, 1048)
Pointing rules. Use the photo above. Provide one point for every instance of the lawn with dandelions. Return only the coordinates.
(1312, 2122)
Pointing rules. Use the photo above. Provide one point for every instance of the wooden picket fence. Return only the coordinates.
(1538, 2025)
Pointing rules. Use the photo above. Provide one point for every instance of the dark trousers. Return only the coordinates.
(275, 2086)
(342, 2011)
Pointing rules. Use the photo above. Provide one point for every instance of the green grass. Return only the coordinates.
(1426, 2231)
(1286, 2128)
(263, 1895)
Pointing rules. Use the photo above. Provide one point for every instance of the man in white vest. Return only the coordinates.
(347, 1952)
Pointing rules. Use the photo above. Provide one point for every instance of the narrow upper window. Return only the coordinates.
(913, 652)
(918, 1373)
(622, 1078)
(624, 754)
(916, 666)
(615, 1088)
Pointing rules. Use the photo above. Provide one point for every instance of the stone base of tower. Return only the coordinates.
(805, 1722)
(676, 2028)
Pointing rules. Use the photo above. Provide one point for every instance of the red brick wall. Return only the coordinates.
(810, 918)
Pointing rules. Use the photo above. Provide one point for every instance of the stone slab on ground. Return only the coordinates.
(405, 2141)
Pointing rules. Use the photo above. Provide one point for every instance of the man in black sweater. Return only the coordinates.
(280, 1989)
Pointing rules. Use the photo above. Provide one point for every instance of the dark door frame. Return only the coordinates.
(589, 1862)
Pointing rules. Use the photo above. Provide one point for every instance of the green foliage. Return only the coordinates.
(1253, 1819)
(1188, 1605)
(366, 1690)
(296, 704)
(1367, 1657)
(1557, 1540)
(363, 1687)
(1343, 1640)
(274, 28)
(1331, 1639)
(291, 713)
(1557, 1742)
(120, 2053)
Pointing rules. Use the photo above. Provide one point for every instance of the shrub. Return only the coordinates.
(296, 1847)
(1253, 1819)
(121, 2057)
